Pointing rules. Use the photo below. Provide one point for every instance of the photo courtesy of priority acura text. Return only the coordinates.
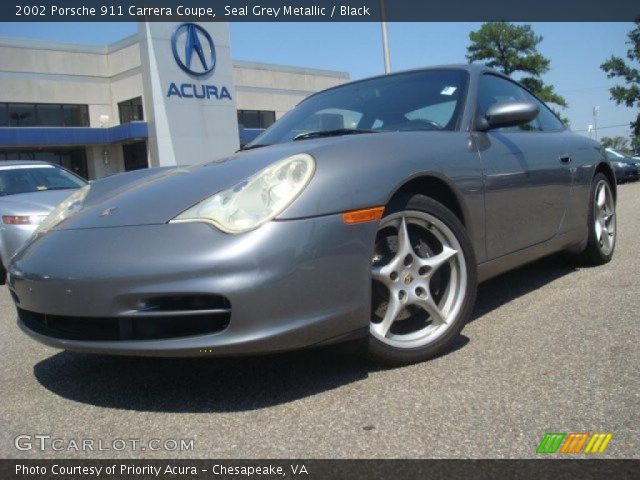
(383, 237)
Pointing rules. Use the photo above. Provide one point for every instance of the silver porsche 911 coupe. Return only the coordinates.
(371, 210)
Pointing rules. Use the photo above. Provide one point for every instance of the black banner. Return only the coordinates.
(319, 469)
(317, 11)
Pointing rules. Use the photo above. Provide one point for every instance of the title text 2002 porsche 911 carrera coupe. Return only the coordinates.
(370, 210)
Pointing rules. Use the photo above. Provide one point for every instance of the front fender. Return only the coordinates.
(366, 170)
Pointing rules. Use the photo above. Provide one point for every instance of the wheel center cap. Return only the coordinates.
(408, 279)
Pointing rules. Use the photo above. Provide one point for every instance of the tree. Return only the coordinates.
(511, 49)
(628, 95)
(616, 143)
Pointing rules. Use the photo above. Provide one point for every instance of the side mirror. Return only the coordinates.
(507, 114)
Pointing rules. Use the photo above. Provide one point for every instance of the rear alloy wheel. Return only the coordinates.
(423, 282)
(604, 217)
(602, 234)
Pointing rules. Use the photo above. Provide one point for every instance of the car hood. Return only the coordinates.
(33, 203)
(155, 196)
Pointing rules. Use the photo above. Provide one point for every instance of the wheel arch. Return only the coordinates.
(608, 172)
(3, 272)
(436, 187)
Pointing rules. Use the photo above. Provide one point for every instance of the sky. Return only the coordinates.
(576, 51)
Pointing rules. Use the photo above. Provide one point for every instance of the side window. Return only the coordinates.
(494, 89)
(546, 118)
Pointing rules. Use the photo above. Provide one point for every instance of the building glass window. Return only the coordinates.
(75, 115)
(22, 115)
(49, 115)
(135, 156)
(4, 115)
(249, 118)
(131, 110)
(73, 159)
(256, 118)
(43, 115)
(267, 119)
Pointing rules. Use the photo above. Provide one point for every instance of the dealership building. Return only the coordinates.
(169, 95)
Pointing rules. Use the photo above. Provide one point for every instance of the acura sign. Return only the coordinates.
(194, 35)
(195, 53)
(189, 91)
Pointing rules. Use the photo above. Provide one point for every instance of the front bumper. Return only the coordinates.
(289, 284)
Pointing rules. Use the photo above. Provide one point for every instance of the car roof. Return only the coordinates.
(476, 68)
(25, 163)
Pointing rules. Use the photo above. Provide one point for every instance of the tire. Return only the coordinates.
(598, 251)
(3, 273)
(423, 291)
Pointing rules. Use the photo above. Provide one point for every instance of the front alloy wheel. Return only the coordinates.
(422, 288)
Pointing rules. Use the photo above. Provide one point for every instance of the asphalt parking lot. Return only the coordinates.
(551, 348)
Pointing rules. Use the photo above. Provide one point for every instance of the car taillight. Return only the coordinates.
(22, 219)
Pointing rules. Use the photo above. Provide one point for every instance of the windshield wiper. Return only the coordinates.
(332, 133)
(250, 147)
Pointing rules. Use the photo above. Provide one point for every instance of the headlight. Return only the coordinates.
(255, 200)
(72, 204)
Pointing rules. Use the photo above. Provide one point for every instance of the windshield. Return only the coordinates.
(423, 100)
(17, 179)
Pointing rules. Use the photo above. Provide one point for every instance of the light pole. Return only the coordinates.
(385, 38)
(596, 112)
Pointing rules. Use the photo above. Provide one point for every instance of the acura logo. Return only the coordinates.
(193, 49)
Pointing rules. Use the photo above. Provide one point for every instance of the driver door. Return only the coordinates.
(526, 173)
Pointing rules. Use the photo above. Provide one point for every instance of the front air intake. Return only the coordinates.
(165, 317)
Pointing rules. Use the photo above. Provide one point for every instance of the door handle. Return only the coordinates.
(566, 159)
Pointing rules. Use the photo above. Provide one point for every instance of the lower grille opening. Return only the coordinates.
(149, 327)
(172, 303)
